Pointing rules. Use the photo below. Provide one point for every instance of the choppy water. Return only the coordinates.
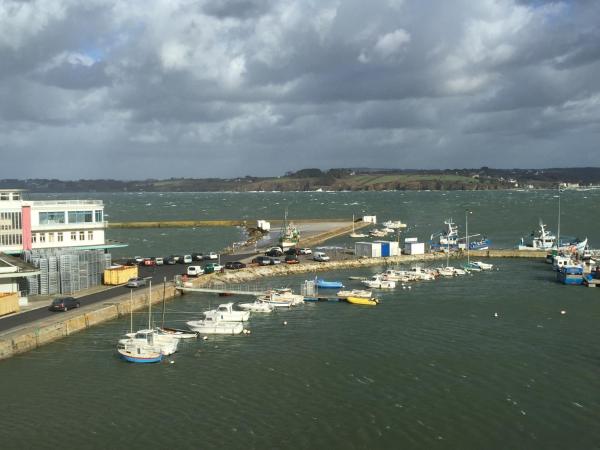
(428, 368)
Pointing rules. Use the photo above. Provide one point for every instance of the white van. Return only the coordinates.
(159, 261)
(194, 271)
(187, 259)
(320, 256)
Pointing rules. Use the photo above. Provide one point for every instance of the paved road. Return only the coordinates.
(157, 274)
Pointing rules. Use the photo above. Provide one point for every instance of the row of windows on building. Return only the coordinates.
(10, 220)
(60, 236)
(6, 196)
(57, 217)
(11, 239)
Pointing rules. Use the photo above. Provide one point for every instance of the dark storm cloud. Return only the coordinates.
(260, 87)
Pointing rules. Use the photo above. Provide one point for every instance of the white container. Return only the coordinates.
(263, 225)
(414, 248)
(369, 219)
(392, 248)
(367, 249)
(410, 240)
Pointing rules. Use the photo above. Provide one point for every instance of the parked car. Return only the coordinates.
(320, 256)
(138, 259)
(275, 248)
(187, 259)
(291, 259)
(275, 261)
(197, 256)
(262, 260)
(274, 252)
(194, 271)
(159, 261)
(149, 262)
(211, 255)
(64, 304)
(293, 251)
(136, 282)
(179, 259)
(235, 265)
(212, 267)
(305, 251)
(170, 260)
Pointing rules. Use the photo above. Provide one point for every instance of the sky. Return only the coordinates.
(225, 88)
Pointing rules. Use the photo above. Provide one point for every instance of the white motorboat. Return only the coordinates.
(226, 313)
(208, 325)
(482, 265)
(177, 334)
(422, 274)
(360, 293)
(543, 240)
(167, 345)
(445, 271)
(377, 282)
(257, 306)
(394, 224)
(282, 298)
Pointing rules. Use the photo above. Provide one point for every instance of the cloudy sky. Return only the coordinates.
(197, 88)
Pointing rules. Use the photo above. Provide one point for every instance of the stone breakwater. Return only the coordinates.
(60, 325)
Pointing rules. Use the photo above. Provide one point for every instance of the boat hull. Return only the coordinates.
(132, 358)
(362, 301)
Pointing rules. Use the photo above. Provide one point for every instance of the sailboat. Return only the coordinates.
(354, 234)
(138, 351)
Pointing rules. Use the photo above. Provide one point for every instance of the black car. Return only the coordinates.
(274, 252)
(291, 259)
(64, 304)
(170, 260)
(292, 251)
(262, 261)
(235, 265)
(197, 256)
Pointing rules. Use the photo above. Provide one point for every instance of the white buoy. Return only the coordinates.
(205, 337)
(403, 287)
(410, 287)
(285, 322)
(563, 312)
(496, 315)
(171, 362)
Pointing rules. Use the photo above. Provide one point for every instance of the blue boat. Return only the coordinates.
(142, 360)
(328, 284)
(135, 352)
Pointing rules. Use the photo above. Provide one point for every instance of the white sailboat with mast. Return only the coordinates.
(354, 234)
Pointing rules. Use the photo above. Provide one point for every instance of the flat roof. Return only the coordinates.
(23, 269)
(13, 190)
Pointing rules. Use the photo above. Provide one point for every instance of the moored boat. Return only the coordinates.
(208, 325)
(257, 306)
(136, 352)
(377, 282)
(354, 293)
(323, 284)
(226, 313)
(362, 301)
(165, 344)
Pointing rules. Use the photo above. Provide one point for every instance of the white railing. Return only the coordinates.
(66, 202)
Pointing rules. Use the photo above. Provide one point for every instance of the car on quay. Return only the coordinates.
(213, 267)
(275, 261)
(149, 262)
(187, 259)
(170, 260)
(235, 265)
(262, 261)
(138, 259)
(321, 257)
(136, 282)
(194, 271)
(293, 251)
(64, 304)
(274, 252)
(197, 256)
(159, 261)
(211, 255)
(179, 259)
(291, 259)
(305, 251)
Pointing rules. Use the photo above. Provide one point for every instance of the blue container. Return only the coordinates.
(385, 249)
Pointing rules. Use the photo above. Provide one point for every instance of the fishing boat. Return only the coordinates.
(226, 313)
(209, 325)
(394, 224)
(377, 282)
(354, 234)
(445, 240)
(361, 293)
(542, 240)
(257, 306)
(362, 301)
(136, 352)
(290, 235)
(323, 284)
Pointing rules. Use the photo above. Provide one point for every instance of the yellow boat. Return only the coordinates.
(362, 301)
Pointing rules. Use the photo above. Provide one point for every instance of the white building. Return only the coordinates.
(31, 225)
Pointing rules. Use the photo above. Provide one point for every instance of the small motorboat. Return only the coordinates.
(482, 265)
(257, 306)
(226, 313)
(320, 283)
(354, 293)
(471, 267)
(377, 282)
(213, 326)
(362, 301)
(282, 298)
(176, 333)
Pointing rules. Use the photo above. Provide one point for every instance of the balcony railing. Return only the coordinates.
(66, 202)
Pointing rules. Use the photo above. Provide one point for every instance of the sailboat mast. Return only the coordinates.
(558, 233)
(131, 311)
(150, 304)
(467, 233)
(163, 305)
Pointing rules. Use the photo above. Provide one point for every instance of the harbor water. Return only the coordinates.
(500, 359)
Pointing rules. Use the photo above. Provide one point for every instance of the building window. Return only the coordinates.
(42, 237)
(59, 237)
(50, 218)
(34, 238)
(4, 196)
(82, 235)
(16, 196)
(80, 216)
(73, 235)
(98, 215)
(90, 235)
(50, 237)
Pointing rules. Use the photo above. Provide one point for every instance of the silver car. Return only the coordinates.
(136, 282)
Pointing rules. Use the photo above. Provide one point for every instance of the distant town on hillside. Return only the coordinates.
(345, 179)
